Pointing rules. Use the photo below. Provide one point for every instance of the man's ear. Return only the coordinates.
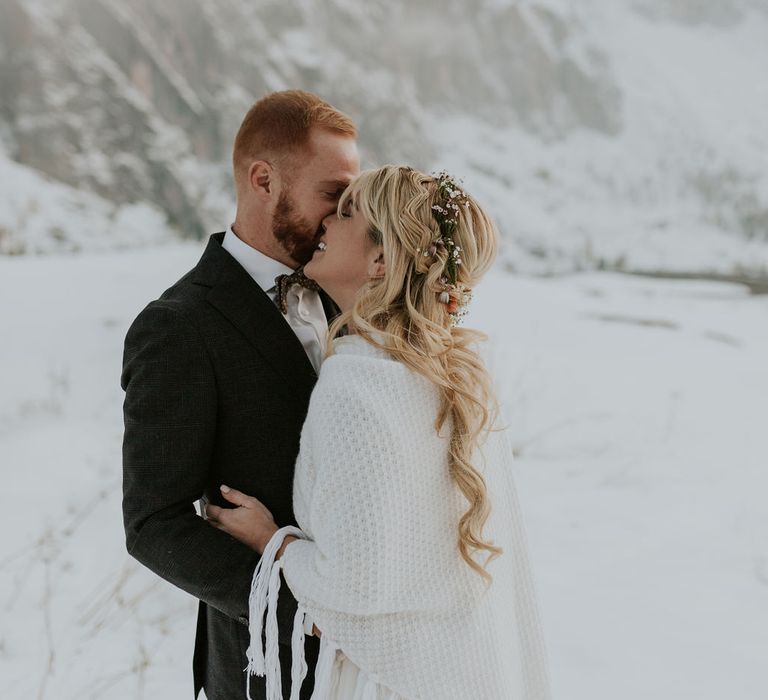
(261, 178)
(377, 266)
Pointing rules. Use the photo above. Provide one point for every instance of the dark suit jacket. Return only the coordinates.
(217, 387)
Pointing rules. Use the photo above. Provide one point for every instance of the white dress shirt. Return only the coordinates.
(305, 314)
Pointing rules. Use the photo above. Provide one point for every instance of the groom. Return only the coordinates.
(217, 381)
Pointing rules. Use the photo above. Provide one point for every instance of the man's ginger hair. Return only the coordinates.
(277, 128)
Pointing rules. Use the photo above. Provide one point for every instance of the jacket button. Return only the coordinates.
(243, 619)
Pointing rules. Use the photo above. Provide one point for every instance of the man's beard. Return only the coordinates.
(297, 236)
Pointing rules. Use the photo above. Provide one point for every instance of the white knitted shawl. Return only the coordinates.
(378, 567)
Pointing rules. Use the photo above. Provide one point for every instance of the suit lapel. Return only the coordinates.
(233, 292)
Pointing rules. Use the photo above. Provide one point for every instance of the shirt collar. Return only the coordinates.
(259, 266)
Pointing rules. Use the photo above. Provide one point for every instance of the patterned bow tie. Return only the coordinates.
(284, 282)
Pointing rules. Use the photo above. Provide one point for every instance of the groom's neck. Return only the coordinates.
(258, 235)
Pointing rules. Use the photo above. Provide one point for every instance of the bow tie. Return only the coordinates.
(284, 282)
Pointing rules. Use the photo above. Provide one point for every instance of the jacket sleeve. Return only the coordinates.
(170, 423)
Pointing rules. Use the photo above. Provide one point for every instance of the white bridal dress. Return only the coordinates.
(348, 682)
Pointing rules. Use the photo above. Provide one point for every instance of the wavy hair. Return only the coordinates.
(417, 329)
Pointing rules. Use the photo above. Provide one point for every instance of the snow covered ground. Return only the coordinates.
(639, 410)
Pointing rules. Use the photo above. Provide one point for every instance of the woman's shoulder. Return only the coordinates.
(361, 382)
(358, 365)
(355, 350)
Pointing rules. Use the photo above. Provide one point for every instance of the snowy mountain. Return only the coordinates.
(602, 134)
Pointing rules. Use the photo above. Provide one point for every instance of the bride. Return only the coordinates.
(410, 557)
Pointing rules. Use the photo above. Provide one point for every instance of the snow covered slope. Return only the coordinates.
(623, 134)
(40, 214)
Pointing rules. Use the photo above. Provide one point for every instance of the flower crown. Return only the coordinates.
(450, 200)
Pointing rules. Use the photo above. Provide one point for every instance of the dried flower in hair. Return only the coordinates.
(446, 212)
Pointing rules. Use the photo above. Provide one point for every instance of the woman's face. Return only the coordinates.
(346, 257)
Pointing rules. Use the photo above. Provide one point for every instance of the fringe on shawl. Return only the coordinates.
(265, 660)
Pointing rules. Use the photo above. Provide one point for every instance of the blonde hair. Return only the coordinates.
(404, 306)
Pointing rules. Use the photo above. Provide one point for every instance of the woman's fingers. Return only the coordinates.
(235, 496)
(218, 524)
(212, 512)
(217, 514)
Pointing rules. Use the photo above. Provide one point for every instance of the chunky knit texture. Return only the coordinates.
(378, 567)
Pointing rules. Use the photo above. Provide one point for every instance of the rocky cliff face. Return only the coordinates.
(136, 104)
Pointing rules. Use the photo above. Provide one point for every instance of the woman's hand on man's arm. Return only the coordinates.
(251, 522)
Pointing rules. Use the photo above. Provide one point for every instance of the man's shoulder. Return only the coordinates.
(184, 293)
(188, 293)
(192, 287)
(182, 299)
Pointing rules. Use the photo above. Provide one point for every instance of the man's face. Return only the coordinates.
(311, 192)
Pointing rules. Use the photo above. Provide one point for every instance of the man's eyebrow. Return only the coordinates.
(338, 184)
